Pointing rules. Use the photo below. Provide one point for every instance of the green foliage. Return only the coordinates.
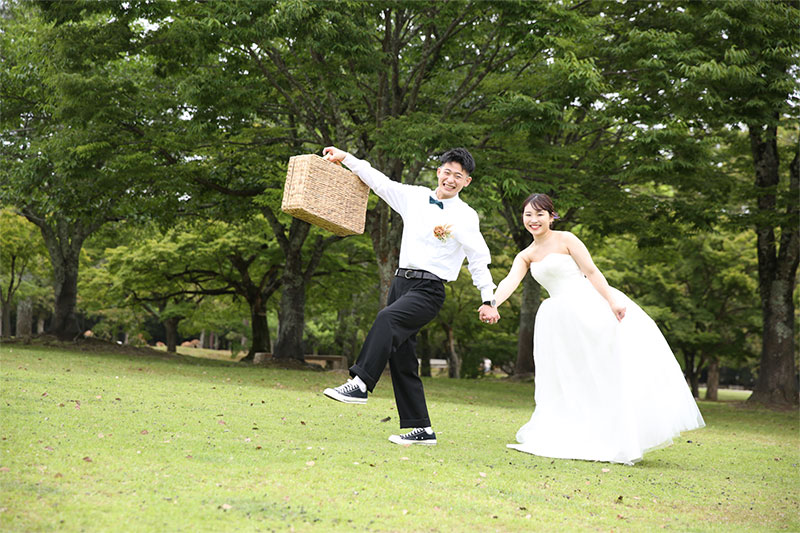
(23, 258)
(702, 292)
(25, 273)
(626, 113)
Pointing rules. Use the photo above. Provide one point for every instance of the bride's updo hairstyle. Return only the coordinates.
(541, 202)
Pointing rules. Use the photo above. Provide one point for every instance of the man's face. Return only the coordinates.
(452, 178)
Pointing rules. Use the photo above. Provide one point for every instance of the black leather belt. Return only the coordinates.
(416, 274)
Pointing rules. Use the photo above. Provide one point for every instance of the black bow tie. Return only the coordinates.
(433, 200)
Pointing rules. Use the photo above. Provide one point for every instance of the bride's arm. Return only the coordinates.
(583, 259)
(510, 283)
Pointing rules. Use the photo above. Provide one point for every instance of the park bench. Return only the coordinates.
(329, 362)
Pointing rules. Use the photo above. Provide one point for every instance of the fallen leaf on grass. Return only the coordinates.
(58, 474)
(225, 507)
(386, 419)
(144, 432)
(221, 422)
(604, 470)
(310, 463)
(48, 448)
(44, 394)
(482, 474)
(87, 459)
(5, 469)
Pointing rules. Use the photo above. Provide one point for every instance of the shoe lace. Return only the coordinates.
(347, 387)
(413, 433)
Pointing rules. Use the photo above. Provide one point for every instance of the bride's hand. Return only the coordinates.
(619, 310)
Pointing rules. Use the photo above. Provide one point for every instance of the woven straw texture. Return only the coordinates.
(325, 194)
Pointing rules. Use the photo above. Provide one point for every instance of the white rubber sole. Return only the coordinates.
(397, 440)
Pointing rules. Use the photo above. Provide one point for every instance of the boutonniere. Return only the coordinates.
(443, 232)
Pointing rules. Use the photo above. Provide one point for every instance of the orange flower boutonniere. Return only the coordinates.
(443, 232)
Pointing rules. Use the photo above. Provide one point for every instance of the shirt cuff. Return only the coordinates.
(487, 294)
(350, 161)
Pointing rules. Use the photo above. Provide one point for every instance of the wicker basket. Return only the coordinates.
(325, 194)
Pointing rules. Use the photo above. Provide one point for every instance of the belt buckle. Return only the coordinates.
(408, 274)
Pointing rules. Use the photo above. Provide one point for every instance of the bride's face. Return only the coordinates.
(536, 221)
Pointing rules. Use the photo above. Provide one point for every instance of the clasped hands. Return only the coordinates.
(488, 314)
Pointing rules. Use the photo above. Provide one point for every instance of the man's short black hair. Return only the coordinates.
(460, 156)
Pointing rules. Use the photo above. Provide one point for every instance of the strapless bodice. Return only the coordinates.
(559, 274)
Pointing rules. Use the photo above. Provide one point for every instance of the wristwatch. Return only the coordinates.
(492, 303)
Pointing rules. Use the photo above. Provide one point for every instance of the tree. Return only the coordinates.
(733, 65)
(579, 127)
(701, 292)
(20, 251)
(390, 81)
(167, 275)
(76, 97)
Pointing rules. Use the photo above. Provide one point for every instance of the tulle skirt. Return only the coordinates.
(605, 390)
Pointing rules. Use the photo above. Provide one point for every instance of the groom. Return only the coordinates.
(439, 231)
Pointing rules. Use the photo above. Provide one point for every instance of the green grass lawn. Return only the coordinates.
(112, 442)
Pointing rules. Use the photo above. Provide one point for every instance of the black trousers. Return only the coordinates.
(412, 303)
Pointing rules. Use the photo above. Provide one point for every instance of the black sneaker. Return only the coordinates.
(347, 393)
(417, 436)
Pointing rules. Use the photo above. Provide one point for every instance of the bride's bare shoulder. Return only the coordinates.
(526, 254)
(567, 237)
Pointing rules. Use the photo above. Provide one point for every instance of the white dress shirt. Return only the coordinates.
(420, 249)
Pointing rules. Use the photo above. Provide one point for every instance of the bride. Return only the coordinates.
(608, 387)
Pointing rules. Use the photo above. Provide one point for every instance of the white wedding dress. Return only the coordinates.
(605, 390)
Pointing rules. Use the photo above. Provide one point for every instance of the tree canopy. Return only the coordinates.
(661, 127)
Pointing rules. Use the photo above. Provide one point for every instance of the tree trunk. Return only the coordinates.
(64, 241)
(691, 374)
(295, 277)
(171, 329)
(777, 272)
(65, 321)
(712, 383)
(259, 330)
(5, 323)
(291, 319)
(24, 318)
(531, 294)
(385, 229)
(424, 353)
(453, 359)
(39, 325)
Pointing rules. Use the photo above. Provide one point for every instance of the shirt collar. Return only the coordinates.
(446, 201)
